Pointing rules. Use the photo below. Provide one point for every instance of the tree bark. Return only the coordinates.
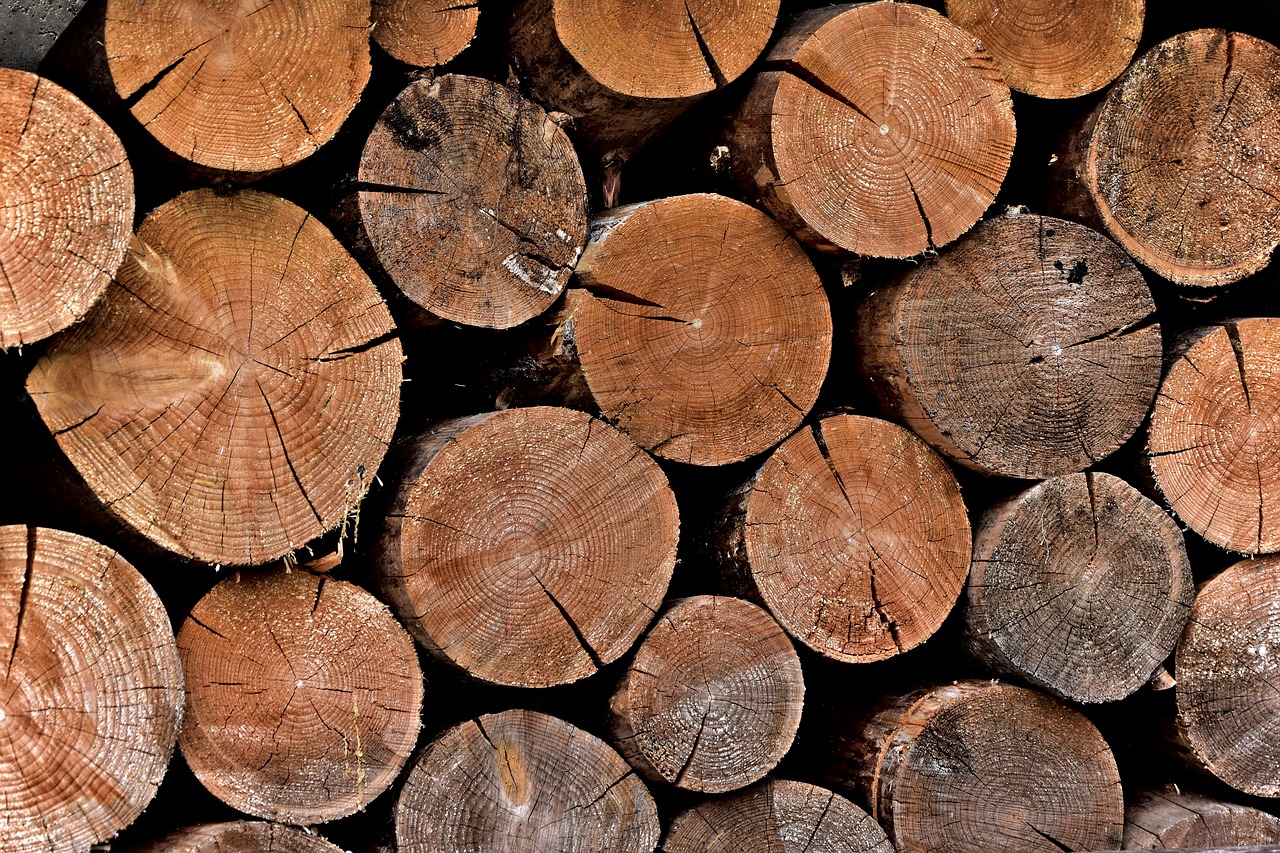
(424, 33)
(233, 394)
(713, 698)
(303, 695)
(1181, 820)
(1005, 356)
(91, 696)
(241, 836)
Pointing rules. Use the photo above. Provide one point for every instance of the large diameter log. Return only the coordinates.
(521, 782)
(234, 392)
(1029, 349)
(1213, 439)
(528, 547)
(1177, 161)
(776, 816)
(241, 836)
(91, 696)
(473, 201)
(876, 128)
(1182, 819)
(68, 209)
(854, 535)
(240, 87)
(1080, 585)
(303, 695)
(625, 70)
(979, 766)
(1228, 666)
(424, 32)
(713, 698)
(1054, 50)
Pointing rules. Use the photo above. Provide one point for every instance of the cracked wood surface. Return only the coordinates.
(424, 33)
(303, 695)
(876, 128)
(713, 698)
(241, 836)
(1173, 819)
(90, 695)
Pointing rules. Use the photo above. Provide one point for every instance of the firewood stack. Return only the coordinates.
(551, 425)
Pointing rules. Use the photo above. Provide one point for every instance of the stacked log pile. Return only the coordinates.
(550, 425)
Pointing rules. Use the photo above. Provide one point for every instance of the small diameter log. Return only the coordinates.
(241, 836)
(854, 535)
(1054, 50)
(424, 33)
(1030, 349)
(876, 128)
(239, 87)
(521, 782)
(777, 816)
(705, 334)
(473, 201)
(1080, 585)
(1213, 439)
(303, 695)
(625, 70)
(1228, 666)
(979, 766)
(91, 696)
(528, 547)
(68, 207)
(713, 698)
(1177, 162)
(1178, 820)
(233, 394)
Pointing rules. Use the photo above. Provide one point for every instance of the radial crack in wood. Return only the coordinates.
(1174, 819)
(424, 33)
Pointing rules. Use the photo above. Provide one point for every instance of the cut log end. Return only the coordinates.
(424, 33)
(241, 836)
(1176, 820)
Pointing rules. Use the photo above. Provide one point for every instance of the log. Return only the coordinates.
(777, 816)
(1183, 819)
(303, 695)
(1006, 356)
(979, 766)
(853, 534)
(876, 128)
(234, 393)
(1080, 585)
(527, 547)
(1053, 50)
(522, 781)
(473, 201)
(424, 33)
(68, 211)
(239, 87)
(713, 698)
(623, 70)
(240, 836)
(1228, 678)
(1176, 163)
(1211, 439)
(91, 696)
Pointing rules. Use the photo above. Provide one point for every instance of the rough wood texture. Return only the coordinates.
(713, 698)
(777, 816)
(1051, 49)
(1080, 585)
(979, 766)
(68, 207)
(473, 201)
(1228, 666)
(528, 547)
(854, 535)
(1213, 434)
(239, 86)
(1029, 349)
(1177, 162)
(241, 836)
(303, 695)
(233, 394)
(876, 128)
(91, 696)
(705, 334)
(1174, 819)
(625, 70)
(424, 32)
(520, 782)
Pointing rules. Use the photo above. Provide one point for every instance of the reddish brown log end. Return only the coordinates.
(1174, 820)
(241, 836)
(424, 32)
